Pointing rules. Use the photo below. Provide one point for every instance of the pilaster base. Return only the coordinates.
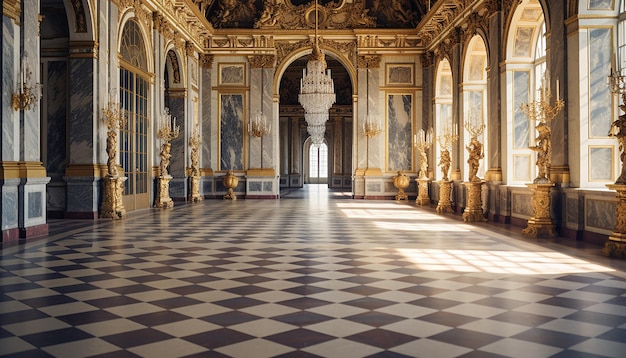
(445, 193)
(163, 200)
(112, 205)
(194, 189)
(422, 192)
(615, 246)
(474, 203)
(540, 224)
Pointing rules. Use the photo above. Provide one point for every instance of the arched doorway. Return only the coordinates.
(295, 144)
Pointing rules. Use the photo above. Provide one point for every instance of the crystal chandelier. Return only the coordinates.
(317, 91)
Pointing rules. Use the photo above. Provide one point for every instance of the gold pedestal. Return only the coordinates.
(194, 189)
(422, 192)
(616, 244)
(163, 199)
(540, 224)
(474, 202)
(445, 193)
(112, 205)
(401, 182)
(230, 181)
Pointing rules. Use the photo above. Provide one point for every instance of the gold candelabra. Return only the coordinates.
(194, 145)
(541, 112)
(475, 148)
(371, 128)
(27, 94)
(422, 141)
(446, 140)
(115, 118)
(168, 131)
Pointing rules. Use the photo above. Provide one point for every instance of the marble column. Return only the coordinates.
(83, 173)
(207, 184)
(25, 129)
(9, 123)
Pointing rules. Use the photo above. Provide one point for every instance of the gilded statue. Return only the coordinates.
(618, 130)
(444, 163)
(165, 158)
(423, 164)
(112, 152)
(543, 147)
(475, 149)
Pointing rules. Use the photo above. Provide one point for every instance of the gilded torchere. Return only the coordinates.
(168, 130)
(615, 246)
(194, 177)
(474, 202)
(422, 142)
(541, 112)
(446, 139)
(112, 205)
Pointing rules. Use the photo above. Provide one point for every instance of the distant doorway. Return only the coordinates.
(317, 163)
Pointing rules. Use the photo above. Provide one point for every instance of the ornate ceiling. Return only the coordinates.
(296, 14)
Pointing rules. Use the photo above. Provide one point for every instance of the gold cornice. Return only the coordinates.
(261, 61)
(22, 170)
(86, 170)
(12, 9)
(261, 172)
(369, 61)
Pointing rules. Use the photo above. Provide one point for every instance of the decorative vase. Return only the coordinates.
(401, 182)
(230, 182)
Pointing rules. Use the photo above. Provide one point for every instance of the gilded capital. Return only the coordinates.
(262, 61)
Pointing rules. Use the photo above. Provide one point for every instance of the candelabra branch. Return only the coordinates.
(540, 113)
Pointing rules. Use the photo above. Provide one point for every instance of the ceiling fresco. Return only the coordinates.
(334, 14)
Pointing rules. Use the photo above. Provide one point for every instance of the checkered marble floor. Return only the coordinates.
(305, 277)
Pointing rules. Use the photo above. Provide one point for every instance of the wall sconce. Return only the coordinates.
(27, 94)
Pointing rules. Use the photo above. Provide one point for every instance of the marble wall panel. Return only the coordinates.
(231, 132)
(30, 42)
(81, 121)
(399, 133)
(178, 188)
(9, 204)
(84, 195)
(521, 204)
(8, 86)
(56, 108)
(600, 214)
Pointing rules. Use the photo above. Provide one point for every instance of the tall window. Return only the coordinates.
(540, 57)
(134, 99)
(318, 161)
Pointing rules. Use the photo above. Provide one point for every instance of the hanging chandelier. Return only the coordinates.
(317, 90)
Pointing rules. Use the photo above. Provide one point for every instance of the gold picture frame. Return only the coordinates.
(232, 74)
(400, 74)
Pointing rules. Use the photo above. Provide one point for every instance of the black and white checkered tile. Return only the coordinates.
(306, 277)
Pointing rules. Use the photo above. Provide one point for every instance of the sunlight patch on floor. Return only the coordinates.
(501, 262)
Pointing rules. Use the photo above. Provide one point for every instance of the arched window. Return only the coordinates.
(443, 104)
(134, 90)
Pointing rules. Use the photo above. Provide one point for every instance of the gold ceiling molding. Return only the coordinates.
(285, 16)
(428, 59)
(206, 61)
(369, 61)
(12, 9)
(469, 15)
(261, 61)
(346, 49)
